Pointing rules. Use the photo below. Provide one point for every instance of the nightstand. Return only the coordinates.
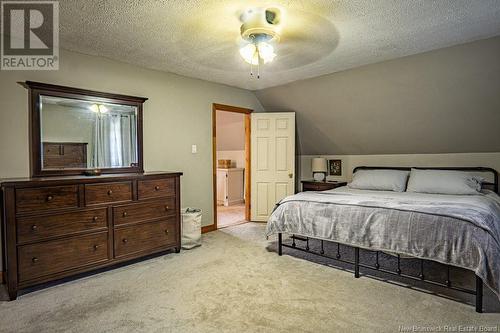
(311, 185)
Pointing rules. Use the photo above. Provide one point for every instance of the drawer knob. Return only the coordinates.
(50, 198)
(96, 247)
(95, 218)
(125, 214)
(166, 232)
(167, 208)
(110, 192)
(157, 188)
(125, 240)
(34, 227)
(34, 260)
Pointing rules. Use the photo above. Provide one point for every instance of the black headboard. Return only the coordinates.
(493, 186)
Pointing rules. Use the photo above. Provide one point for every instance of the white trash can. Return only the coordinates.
(191, 228)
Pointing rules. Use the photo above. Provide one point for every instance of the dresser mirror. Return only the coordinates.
(74, 131)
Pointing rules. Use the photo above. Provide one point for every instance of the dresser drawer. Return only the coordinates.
(312, 187)
(144, 211)
(145, 237)
(156, 188)
(321, 186)
(108, 192)
(46, 226)
(44, 198)
(46, 258)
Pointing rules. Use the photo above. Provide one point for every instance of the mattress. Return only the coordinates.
(459, 230)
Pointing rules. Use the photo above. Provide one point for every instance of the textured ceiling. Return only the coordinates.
(199, 38)
(442, 101)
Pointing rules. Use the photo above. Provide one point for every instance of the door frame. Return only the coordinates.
(229, 108)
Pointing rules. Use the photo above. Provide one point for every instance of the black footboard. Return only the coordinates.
(478, 291)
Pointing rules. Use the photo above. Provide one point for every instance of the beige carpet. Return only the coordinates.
(231, 284)
(230, 215)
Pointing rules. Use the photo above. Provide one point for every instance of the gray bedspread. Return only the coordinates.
(460, 230)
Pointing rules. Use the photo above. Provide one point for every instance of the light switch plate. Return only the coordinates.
(194, 149)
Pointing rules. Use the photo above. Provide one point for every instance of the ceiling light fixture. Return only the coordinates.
(260, 28)
(253, 53)
(98, 108)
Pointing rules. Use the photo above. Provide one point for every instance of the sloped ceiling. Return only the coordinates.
(444, 101)
(199, 38)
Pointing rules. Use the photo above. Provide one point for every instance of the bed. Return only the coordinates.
(454, 230)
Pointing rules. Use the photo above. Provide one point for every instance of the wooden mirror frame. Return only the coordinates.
(36, 89)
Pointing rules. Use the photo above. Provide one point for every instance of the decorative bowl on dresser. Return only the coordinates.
(60, 222)
(313, 185)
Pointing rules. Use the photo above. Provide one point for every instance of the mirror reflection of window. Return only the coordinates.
(85, 134)
(114, 137)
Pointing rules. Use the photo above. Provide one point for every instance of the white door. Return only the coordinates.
(272, 160)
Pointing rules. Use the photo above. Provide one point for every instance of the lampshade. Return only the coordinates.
(266, 52)
(319, 164)
(251, 53)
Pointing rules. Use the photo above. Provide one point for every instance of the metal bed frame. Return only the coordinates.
(477, 291)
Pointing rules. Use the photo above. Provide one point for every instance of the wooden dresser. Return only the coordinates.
(60, 226)
(64, 155)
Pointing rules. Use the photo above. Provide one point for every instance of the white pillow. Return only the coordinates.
(383, 180)
(443, 182)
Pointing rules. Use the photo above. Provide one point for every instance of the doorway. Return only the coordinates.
(231, 180)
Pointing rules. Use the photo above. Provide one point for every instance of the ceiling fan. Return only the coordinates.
(296, 36)
(260, 29)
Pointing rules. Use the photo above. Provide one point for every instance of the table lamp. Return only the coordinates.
(319, 168)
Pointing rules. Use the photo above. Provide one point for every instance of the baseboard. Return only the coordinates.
(208, 228)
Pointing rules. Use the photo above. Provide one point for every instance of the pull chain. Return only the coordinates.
(256, 54)
(258, 62)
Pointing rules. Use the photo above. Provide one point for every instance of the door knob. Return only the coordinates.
(290, 175)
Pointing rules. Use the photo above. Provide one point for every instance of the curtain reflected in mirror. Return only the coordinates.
(114, 140)
(87, 134)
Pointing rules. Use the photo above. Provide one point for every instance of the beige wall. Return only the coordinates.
(231, 137)
(443, 101)
(177, 115)
(59, 124)
(349, 162)
(230, 131)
